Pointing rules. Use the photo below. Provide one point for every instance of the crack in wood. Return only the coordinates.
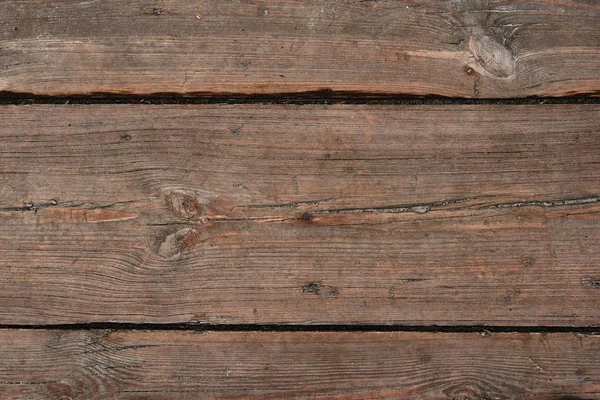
(38, 206)
(426, 207)
(545, 203)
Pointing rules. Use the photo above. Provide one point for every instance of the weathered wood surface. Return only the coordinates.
(142, 365)
(450, 215)
(467, 48)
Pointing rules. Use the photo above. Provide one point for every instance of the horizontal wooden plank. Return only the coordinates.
(467, 48)
(163, 364)
(449, 215)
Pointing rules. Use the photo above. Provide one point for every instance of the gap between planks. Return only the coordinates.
(202, 327)
(297, 98)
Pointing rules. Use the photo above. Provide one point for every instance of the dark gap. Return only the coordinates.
(203, 327)
(314, 97)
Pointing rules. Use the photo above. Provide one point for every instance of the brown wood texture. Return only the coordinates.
(233, 365)
(344, 214)
(466, 48)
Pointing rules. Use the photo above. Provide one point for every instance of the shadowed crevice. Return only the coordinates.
(325, 96)
(205, 327)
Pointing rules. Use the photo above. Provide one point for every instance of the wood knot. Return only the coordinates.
(319, 289)
(178, 242)
(529, 261)
(184, 205)
(492, 56)
(466, 391)
(507, 297)
(591, 282)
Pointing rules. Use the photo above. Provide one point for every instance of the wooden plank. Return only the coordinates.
(234, 365)
(468, 48)
(449, 215)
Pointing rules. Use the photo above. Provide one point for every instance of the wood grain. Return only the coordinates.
(449, 215)
(250, 365)
(467, 48)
